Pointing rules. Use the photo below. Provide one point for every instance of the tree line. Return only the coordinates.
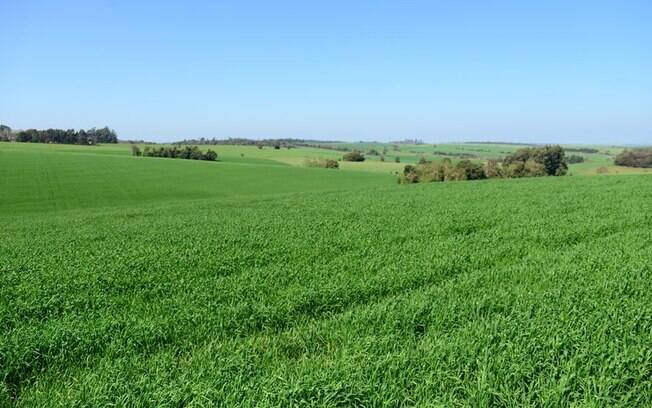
(91, 136)
(526, 162)
(174, 152)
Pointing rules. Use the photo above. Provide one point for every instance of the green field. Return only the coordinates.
(254, 281)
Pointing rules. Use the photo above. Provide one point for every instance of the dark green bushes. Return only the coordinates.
(60, 136)
(174, 152)
(354, 156)
(635, 158)
(536, 161)
(526, 162)
(575, 158)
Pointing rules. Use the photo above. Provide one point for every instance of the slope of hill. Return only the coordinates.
(167, 283)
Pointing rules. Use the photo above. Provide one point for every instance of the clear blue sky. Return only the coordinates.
(543, 71)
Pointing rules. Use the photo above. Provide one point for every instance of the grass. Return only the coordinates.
(191, 286)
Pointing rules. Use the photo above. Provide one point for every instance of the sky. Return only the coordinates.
(522, 71)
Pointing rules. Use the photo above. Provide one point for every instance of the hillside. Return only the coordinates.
(137, 281)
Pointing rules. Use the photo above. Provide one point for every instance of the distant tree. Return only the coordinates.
(382, 158)
(135, 150)
(635, 158)
(552, 158)
(470, 170)
(397, 159)
(210, 155)
(259, 146)
(574, 158)
(354, 156)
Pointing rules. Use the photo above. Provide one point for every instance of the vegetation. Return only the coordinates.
(60, 136)
(272, 285)
(536, 161)
(574, 159)
(635, 158)
(354, 156)
(174, 152)
(525, 162)
(582, 150)
(324, 163)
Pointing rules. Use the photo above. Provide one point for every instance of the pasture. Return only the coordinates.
(129, 281)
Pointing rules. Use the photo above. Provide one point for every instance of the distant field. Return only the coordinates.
(130, 281)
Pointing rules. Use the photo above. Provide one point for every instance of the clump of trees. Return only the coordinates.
(174, 152)
(526, 162)
(354, 156)
(323, 163)
(60, 136)
(536, 161)
(635, 158)
(582, 150)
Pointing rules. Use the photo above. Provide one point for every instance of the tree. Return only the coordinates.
(354, 156)
(135, 150)
(210, 155)
(552, 158)
(635, 158)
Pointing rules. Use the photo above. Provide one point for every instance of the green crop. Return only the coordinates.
(153, 282)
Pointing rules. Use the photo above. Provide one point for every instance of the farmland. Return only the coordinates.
(254, 281)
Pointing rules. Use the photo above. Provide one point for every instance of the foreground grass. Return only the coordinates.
(499, 293)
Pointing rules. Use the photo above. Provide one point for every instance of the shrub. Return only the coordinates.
(552, 158)
(354, 156)
(135, 150)
(210, 155)
(470, 171)
(492, 169)
(635, 158)
(174, 152)
(397, 159)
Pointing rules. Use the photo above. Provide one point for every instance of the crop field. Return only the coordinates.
(130, 281)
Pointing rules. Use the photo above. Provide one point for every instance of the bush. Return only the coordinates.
(552, 158)
(397, 159)
(210, 155)
(323, 163)
(135, 150)
(174, 152)
(575, 158)
(354, 156)
(635, 158)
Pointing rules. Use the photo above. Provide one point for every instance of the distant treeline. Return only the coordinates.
(635, 158)
(527, 162)
(502, 143)
(174, 152)
(251, 142)
(60, 136)
(582, 150)
(461, 155)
